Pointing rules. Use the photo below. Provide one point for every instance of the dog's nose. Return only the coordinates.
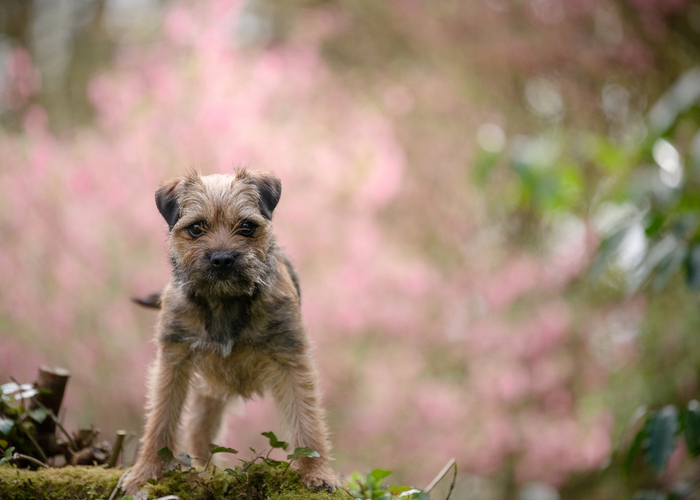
(222, 260)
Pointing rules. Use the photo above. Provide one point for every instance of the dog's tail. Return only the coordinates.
(152, 301)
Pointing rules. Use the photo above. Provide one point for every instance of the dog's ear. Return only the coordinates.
(167, 201)
(269, 191)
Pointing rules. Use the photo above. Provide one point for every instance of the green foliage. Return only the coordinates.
(661, 180)
(302, 452)
(661, 430)
(221, 449)
(171, 462)
(17, 422)
(261, 474)
(274, 442)
(657, 439)
(8, 455)
(371, 487)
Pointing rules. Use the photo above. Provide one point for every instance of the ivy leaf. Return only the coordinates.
(8, 455)
(234, 473)
(167, 459)
(379, 474)
(662, 428)
(421, 495)
(274, 463)
(634, 450)
(303, 452)
(6, 425)
(397, 490)
(274, 442)
(165, 455)
(38, 414)
(221, 449)
(692, 427)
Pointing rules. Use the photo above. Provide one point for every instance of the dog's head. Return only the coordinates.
(220, 230)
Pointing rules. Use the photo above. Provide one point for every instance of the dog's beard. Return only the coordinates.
(243, 279)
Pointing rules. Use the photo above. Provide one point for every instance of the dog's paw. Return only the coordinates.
(139, 474)
(325, 481)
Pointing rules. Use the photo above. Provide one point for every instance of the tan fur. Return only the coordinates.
(237, 333)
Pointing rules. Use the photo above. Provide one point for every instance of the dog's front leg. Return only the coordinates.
(295, 389)
(168, 383)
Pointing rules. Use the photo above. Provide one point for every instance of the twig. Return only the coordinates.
(116, 449)
(441, 474)
(119, 484)
(20, 456)
(206, 465)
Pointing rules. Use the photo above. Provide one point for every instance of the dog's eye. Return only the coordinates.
(195, 230)
(246, 228)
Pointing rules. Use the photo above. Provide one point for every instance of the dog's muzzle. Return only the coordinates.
(221, 263)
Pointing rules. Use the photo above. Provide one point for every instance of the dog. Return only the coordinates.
(229, 325)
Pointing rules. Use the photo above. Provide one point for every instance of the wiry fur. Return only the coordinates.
(228, 335)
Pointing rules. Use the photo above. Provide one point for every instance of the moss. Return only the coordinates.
(57, 484)
(257, 482)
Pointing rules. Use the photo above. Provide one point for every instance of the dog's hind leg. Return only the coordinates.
(201, 424)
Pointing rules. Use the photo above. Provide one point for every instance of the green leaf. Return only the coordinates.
(692, 428)
(380, 474)
(3, 443)
(221, 449)
(6, 425)
(274, 442)
(397, 490)
(8, 455)
(662, 428)
(168, 459)
(234, 473)
(380, 495)
(274, 463)
(693, 268)
(165, 455)
(634, 450)
(38, 415)
(303, 452)
(152, 481)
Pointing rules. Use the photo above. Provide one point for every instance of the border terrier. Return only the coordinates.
(229, 325)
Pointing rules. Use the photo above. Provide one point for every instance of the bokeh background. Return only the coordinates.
(492, 206)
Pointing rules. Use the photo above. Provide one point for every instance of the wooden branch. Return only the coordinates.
(51, 384)
(118, 444)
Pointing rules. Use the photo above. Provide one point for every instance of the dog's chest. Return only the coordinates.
(245, 372)
(226, 326)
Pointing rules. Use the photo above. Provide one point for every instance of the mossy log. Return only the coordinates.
(95, 482)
